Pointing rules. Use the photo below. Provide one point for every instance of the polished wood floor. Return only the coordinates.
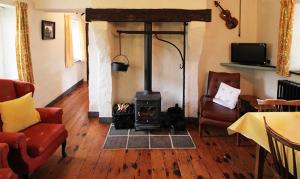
(216, 155)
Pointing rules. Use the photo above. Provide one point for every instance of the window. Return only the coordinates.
(76, 40)
(295, 52)
(8, 63)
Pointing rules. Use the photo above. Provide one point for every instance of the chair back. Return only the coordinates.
(215, 79)
(11, 89)
(278, 105)
(280, 148)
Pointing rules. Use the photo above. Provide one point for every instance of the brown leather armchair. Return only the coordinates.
(31, 147)
(5, 171)
(212, 113)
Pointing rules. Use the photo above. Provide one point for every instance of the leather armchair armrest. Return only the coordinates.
(14, 140)
(3, 155)
(202, 101)
(51, 115)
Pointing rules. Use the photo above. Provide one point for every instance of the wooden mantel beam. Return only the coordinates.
(148, 15)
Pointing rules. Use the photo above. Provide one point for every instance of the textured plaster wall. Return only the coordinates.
(100, 80)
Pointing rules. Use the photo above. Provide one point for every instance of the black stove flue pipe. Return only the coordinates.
(148, 58)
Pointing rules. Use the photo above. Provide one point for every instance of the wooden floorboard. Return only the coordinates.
(216, 155)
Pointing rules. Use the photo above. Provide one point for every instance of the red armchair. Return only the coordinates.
(30, 148)
(5, 171)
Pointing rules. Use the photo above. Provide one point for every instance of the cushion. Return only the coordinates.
(227, 96)
(215, 111)
(42, 136)
(19, 113)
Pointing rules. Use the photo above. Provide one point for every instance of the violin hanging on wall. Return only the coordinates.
(231, 22)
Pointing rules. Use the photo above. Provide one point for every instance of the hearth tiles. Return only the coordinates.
(159, 139)
(182, 142)
(138, 142)
(134, 132)
(114, 131)
(160, 142)
(116, 142)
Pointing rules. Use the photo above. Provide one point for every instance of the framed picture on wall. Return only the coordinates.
(48, 30)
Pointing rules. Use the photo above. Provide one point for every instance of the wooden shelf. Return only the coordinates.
(148, 15)
(255, 67)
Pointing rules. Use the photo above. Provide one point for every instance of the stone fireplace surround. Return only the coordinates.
(107, 88)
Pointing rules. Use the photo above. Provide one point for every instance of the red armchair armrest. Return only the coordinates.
(3, 155)
(51, 115)
(5, 171)
(14, 140)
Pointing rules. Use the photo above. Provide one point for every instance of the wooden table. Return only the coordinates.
(251, 125)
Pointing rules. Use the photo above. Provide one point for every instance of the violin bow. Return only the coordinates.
(240, 18)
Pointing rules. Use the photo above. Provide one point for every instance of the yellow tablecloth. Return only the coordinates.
(251, 125)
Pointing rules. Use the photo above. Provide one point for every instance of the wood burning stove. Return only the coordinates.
(148, 108)
(147, 103)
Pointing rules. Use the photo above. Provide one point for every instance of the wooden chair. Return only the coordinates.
(278, 105)
(278, 145)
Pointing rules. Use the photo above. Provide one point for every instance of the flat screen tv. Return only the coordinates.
(249, 53)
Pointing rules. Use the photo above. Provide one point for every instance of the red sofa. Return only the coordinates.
(30, 148)
(5, 171)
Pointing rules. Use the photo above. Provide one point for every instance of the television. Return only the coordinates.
(249, 53)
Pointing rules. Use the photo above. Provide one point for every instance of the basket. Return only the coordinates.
(123, 120)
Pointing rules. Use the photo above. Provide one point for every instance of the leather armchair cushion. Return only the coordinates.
(215, 79)
(41, 136)
(215, 111)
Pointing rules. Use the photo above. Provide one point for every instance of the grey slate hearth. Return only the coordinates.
(158, 139)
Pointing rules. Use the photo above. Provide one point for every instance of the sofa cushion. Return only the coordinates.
(215, 111)
(41, 136)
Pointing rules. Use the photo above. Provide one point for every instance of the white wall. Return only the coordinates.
(51, 76)
(268, 29)
(217, 40)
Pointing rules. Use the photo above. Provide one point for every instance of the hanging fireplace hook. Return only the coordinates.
(180, 53)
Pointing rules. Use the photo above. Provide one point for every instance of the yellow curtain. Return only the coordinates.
(68, 42)
(23, 54)
(285, 37)
(83, 39)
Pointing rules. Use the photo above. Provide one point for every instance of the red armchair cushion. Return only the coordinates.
(214, 111)
(41, 136)
(6, 173)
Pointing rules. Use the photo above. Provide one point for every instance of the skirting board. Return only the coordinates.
(70, 90)
(93, 114)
